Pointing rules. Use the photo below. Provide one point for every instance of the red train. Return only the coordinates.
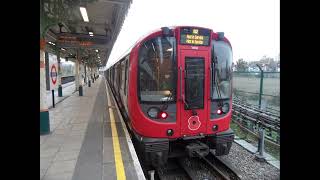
(174, 88)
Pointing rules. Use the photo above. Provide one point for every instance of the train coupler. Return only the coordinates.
(197, 148)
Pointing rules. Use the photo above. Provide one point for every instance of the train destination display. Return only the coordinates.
(195, 36)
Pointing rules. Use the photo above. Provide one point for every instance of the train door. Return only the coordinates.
(194, 108)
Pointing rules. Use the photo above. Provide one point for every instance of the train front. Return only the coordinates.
(181, 93)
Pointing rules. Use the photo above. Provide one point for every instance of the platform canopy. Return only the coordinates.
(88, 28)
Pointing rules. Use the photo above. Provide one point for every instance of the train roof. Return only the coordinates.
(213, 34)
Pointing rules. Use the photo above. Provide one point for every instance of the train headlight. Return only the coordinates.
(169, 132)
(215, 127)
(225, 108)
(153, 112)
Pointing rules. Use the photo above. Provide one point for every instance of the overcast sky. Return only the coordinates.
(252, 26)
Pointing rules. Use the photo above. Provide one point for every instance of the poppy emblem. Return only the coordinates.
(194, 123)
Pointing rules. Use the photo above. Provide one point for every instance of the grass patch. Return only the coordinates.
(242, 134)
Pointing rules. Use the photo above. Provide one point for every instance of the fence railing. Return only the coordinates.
(256, 107)
(258, 88)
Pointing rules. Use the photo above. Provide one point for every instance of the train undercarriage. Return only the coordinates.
(156, 151)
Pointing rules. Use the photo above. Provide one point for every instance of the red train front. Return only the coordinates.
(174, 88)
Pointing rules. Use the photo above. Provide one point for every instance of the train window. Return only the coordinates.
(113, 78)
(122, 74)
(156, 72)
(112, 74)
(222, 85)
(115, 75)
(194, 82)
(119, 76)
(126, 76)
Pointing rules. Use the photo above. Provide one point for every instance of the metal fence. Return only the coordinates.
(260, 89)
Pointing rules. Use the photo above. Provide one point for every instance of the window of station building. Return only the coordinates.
(222, 84)
(157, 70)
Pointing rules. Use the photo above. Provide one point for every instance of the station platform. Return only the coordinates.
(67, 90)
(88, 139)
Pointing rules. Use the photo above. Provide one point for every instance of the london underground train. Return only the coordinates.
(174, 90)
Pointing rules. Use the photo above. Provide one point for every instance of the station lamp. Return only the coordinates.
(84, 14)
(51, 43)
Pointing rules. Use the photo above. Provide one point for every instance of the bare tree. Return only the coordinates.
(241, 65)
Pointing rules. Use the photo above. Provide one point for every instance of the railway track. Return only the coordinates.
(243, 114)
(173, 171)
(209, 167)
(267, 111)
(222, 167)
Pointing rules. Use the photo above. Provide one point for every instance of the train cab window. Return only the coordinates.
(222, 85)
(156, 71)
(221, 81)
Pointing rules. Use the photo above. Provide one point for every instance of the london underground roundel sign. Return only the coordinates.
(53, 74)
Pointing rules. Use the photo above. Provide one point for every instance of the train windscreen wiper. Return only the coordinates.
(172, 89)
(217, 87)
(168, 99)
(215, 82)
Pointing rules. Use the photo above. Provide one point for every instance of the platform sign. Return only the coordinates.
(72, 40)
(53, 71)
(54, 74)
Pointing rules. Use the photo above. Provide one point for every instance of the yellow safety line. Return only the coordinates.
(116, 145)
